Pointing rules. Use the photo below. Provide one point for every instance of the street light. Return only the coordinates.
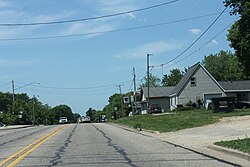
(13, 92)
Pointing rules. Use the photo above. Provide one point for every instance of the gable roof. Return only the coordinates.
(185, 78)
(158, 91)
(233, 86)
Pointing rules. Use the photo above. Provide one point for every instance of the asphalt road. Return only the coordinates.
(92, 145)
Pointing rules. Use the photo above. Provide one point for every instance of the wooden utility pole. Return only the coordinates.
(13, 96)
(135, 101)
(148, 102)
(122, 112)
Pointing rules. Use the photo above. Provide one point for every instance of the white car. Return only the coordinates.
(63, 120)
(86, 119)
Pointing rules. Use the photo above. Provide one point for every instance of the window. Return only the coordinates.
(193, 81)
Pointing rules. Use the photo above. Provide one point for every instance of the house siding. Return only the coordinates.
(204, 85)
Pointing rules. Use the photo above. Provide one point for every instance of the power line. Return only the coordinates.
(110, 31)
(90, 18)
(194, 41)
(79, 88)
(204, 44)
(5, 84)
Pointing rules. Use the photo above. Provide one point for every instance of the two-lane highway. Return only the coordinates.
(92, 145)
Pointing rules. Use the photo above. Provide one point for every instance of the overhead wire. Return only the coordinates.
(205, 44)
(194, 41)
(76, 88)
(5, 84)
(109, 31)
(90, 18)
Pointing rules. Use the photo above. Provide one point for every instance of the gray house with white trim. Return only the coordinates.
(197, 83)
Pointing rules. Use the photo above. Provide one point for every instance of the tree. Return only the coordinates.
(91, 113)
(154, 81)
(173, 78)
(239, 34)
(224, 66)
(61, 111)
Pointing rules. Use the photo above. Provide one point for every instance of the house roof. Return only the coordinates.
(185, 79)
(235, 85)
(158, 91)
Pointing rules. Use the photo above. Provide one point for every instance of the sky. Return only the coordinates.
(81, 63)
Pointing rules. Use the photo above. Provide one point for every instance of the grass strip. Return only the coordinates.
(239, 144)
(178, 120)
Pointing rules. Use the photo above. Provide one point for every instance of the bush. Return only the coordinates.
(10, 119)
(184, 108)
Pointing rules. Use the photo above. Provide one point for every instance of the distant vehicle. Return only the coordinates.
(63, 120)
(2, 124)
(155, 108)
(86, 119)
(103, 118)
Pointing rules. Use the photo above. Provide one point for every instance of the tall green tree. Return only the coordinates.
(173, 78)
(61, 111)
(239, 34)
(224, 66)
(154, 81)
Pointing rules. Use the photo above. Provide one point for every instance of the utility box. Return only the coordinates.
(223, 104)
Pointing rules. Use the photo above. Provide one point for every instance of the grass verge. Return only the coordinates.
(240, 144)
(178, 120)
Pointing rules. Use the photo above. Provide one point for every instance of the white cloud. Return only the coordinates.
(81, 28)
(214, 42)
(16, 62)
(117, 6)
(195, 31)
(156, 48)
(4, 4)
(12, 16)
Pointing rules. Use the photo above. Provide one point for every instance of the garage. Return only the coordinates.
(211, 95)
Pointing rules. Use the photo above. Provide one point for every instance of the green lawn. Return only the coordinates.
(178, 120)
(240, 144)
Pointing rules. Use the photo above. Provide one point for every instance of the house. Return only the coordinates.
(158, 95)
(238, 89)
(197, 83)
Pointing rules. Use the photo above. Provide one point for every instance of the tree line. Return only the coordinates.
(29, 110)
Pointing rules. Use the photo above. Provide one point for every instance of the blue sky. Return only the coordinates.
(91, 66)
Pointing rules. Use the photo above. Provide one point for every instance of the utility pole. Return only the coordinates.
(135, 91)
(121, 98)
(148, 101)
(33, 111)
(13, 96)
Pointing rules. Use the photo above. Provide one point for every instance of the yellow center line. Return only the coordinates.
(49, 135)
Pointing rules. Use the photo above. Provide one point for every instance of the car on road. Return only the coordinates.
(63, 120)
(86, 119)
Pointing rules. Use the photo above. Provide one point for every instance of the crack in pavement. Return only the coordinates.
(58, 155)
(118, 149)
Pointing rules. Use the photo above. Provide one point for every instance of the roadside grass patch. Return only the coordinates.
(178, 120)
(239, 144)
